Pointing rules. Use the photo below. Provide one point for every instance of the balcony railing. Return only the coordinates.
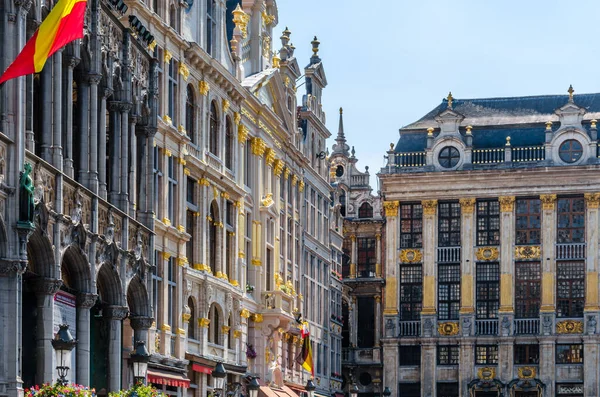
(194, 152)
(193, 346)
(448, 254)
(486, 327)
(570, 251)
(528, 154)
(214, 161)
(410, 328)
(488, 156)
(527, 326)
(411, 159)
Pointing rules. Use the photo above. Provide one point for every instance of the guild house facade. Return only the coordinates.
(492, 211)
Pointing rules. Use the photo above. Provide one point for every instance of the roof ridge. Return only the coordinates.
(521, 97)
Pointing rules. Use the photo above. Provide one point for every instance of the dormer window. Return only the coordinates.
(449, 157)
(365, 210)
(570, 151)
(339, 171)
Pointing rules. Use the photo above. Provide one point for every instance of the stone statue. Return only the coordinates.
(26, 189)
(428, 327)
(466, 326)
(389, 328)
(547, 325)
(591, 325)
(505, 326)
(270, 301)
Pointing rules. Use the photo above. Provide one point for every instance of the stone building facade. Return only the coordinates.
(491, 210)
(171, 178)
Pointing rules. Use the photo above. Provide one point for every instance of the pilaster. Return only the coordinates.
(45, 289)
(467, 288)
(466, 367)
(115, 316)
(428, 367)
(591, 222)
(547, 370)
(391, 288)
(85, 301)
(429, 238)
(507, 238)
(548, 308)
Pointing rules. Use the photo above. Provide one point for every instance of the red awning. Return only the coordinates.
(165, 378)
(201, 368)
(339, 394)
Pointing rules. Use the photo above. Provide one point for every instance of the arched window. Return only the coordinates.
(173, 17)
(213, 130)
(214, 335)
(365, 210)
(228, 144)
(212, 235)
(230, 342)
(211, 25)
(190, 113)
(343, 203)
(192, 322)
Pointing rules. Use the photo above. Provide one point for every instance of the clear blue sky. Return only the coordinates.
(390, 62)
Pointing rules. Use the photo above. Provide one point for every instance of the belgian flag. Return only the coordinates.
(62, 25)
(305, 358)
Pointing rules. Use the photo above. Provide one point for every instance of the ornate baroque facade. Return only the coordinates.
(181, 199)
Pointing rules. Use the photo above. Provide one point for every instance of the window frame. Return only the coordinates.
(528, 289)
(488, 213)
(450, 357)
(574, 305)
(449, 301)
(525, 221)
(411, 225)
(366, 258)
(449, 224)
(172, 190)
(365, 211)
(190, 113)
(529, 356)
(565, 234)
(211, 26)
(172, 83)
(488, 302)
(229, 147)
(577, 358)
(484, 354)
(414, 284)
(213, 129)
(411, 353)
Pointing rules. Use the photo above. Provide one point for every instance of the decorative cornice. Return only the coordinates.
(429, 207)
(391, 208)
(507, 203)
(467, 205)
(548, 201)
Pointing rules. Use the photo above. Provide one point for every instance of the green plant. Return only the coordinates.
(69, 390)
(138, 390)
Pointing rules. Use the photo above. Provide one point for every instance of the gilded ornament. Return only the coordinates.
(203, 322)
(429, 207)
(181, 129)
(168, 56)
(237, 118)
(182, 261)
(294, 180)
(186, 317)
(486, 373)
(184, 71)
(267, 201)
(203, 87)
(166, 256)
(411, 256)
(487, 254)
(225, 329)
(165, 328)
(278, 167)
(152, 46)
(167, 119)
(203, 182)
(526, 372)
(548, 125)
(225, 105)
(569, 327)
(258, 146)
(256, 262)
(268, 19)
(448, 329)
(301, 186)
(234, 283)
(269, 157)
(180, 331)
(257, 318)
(186, 171)
(592, 200)
(528, 252)
(181, 228)
(507, 203)
(593, 123)
(225, 195)
(244, 313)
(242, 133)
(168, 153)
(467, 205)
(548, 201)
(391, 208)
(241, 19)
(237, 334)
(166, 221)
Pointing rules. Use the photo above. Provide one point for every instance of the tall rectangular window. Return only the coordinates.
(411, 226)
(211, 26)
(411, 292)
(172, 91)
(527, 354)
(528, 221)
(366, 257)
(190, 221)
(570, 286)
(486, 354)
(449, 225)
(248, 164)
(409, 390)
(410, 355)
(569, 354)
(448, 355)
(171, 295)
(488, 223)
(157, 172)
(447, 389)
(571, 220)
(488, 290)
(448, 291)
(172, 188)
(157, 284)
(528, 288)
(366, 320)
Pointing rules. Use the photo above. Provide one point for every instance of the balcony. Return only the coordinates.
(528, 154)
(448, 255)
(410, 328)
(214, 162)
(361, 355)
(527, 326)
(486, 327)
(277, 302)
(411, 159)
(570, 251)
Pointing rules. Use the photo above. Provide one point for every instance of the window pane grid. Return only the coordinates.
(570, 285)
(569, 354)
(488, 290)
(448, 292)
(366, 257)
(488, 223)
(527, 289)
(411, 292)
(486, 354)
(449, 225)
(411, 225)
(527, 354)
(448, 355)
(528, 221)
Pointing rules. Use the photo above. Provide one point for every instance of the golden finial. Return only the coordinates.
(391, 147)
(507, 141)
(276, 60)
(469, 128)
(430, 131)
(548, 125)
(570, 91)
(593, 121)
(341, 110)
(450, 99)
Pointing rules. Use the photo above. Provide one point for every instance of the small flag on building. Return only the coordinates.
(305, 358)
(63, 25)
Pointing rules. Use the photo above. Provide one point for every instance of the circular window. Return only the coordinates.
(365, 379)
(570, 151)
(339, 171)
(449, 157)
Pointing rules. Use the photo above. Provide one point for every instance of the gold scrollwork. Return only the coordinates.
(391, 208)
(203, 322)
(486, 373)
(411, 256)
(487, 254)
(528, 252)
(245, 313)
(507, 203)
(569, 327)
(448, 329)
(592, 200)
(548, 201)
(526, 372)
(467, 205)
(429, 207)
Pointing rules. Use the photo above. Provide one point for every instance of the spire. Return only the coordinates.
(340, 146)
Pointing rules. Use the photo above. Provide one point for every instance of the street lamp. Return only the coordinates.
(253, 387)
(353, 390)
(387, 392)
(63, 343)
(310, 387)
(219, 374)
(140, 358)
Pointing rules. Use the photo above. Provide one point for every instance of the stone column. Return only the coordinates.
(69, 63)
(353, 313)
(46, 99)
(391, 365)
(85, 301)
(353, 257)
(133, 167)
(124, 108)
(591, 222)
(467, 288)
(45, 289)
(57, 155)
(377, 320)
(507, 239)
(390, 310)
(115, 151)
(102, 192)
(141, 325)
(114, 315)
(429, 238)
(428, 367)
(506, 359)
(548, 307)
(378, 273)
(466, 366)
(590, 365)
(83, 102)
(547, 364)
(94, 145)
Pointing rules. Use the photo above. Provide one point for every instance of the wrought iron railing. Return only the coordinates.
(411, 159)
(528, 154)
(488, 156)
